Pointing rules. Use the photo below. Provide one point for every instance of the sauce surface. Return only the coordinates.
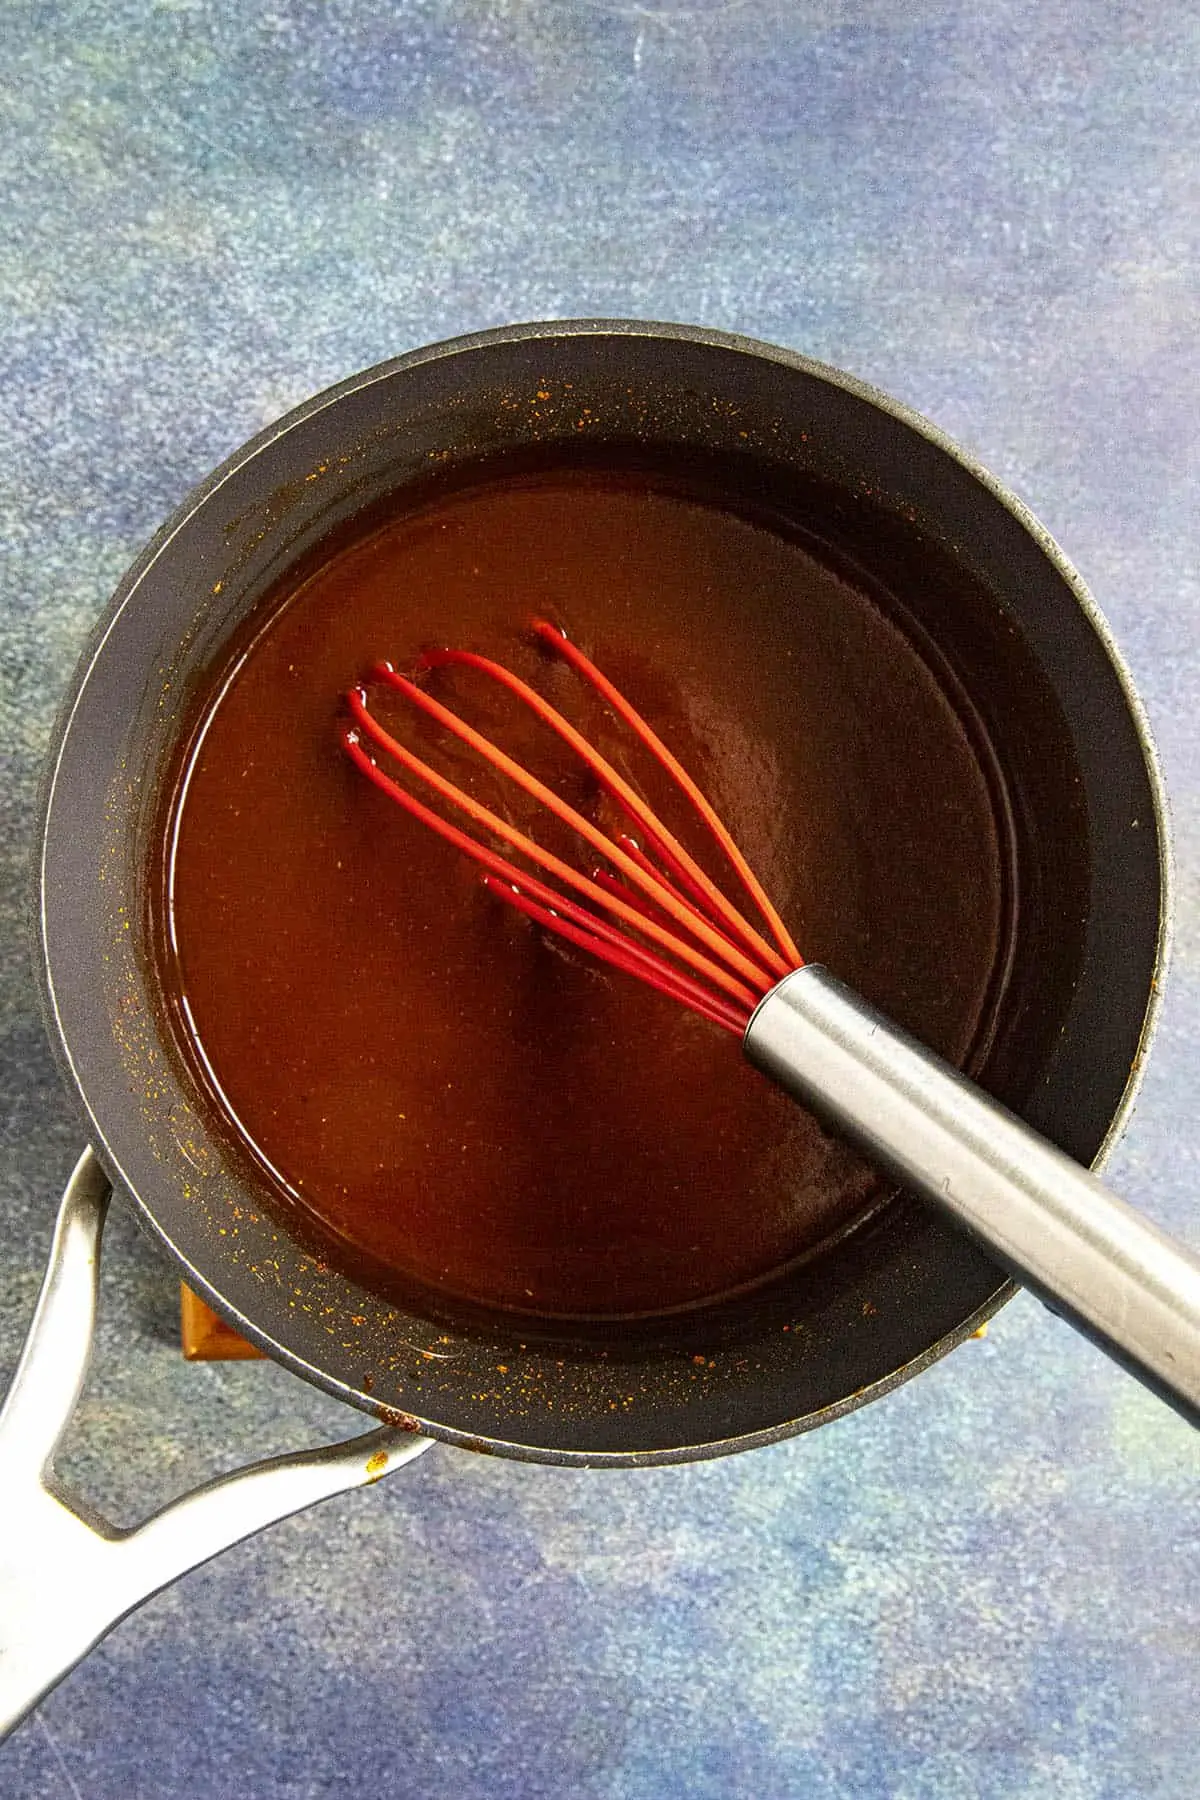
(433, 1083)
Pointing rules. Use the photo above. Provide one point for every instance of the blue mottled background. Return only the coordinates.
(986, 1587)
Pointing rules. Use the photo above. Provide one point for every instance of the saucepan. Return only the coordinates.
(1006, 614)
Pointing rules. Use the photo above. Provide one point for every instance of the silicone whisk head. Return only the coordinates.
(646, 907)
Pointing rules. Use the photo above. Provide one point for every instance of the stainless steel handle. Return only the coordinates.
(67, 1576)
(1056, 1227)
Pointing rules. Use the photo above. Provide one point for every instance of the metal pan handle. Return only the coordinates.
(67, 1575)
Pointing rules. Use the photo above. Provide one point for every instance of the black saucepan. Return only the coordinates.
(988, 593)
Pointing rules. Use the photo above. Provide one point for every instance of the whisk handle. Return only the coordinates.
(1092, 1258)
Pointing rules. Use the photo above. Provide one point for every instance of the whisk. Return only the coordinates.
(647, 908)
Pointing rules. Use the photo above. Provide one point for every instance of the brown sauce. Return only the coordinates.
(433, 1085)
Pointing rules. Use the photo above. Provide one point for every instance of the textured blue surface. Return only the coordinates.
(985, 1587)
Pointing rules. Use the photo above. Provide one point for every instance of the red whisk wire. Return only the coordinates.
(499, 865)
(713, 939)
(631, 848)
(669, 849)
(557, 640)
(727, 964)
(610, 949)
